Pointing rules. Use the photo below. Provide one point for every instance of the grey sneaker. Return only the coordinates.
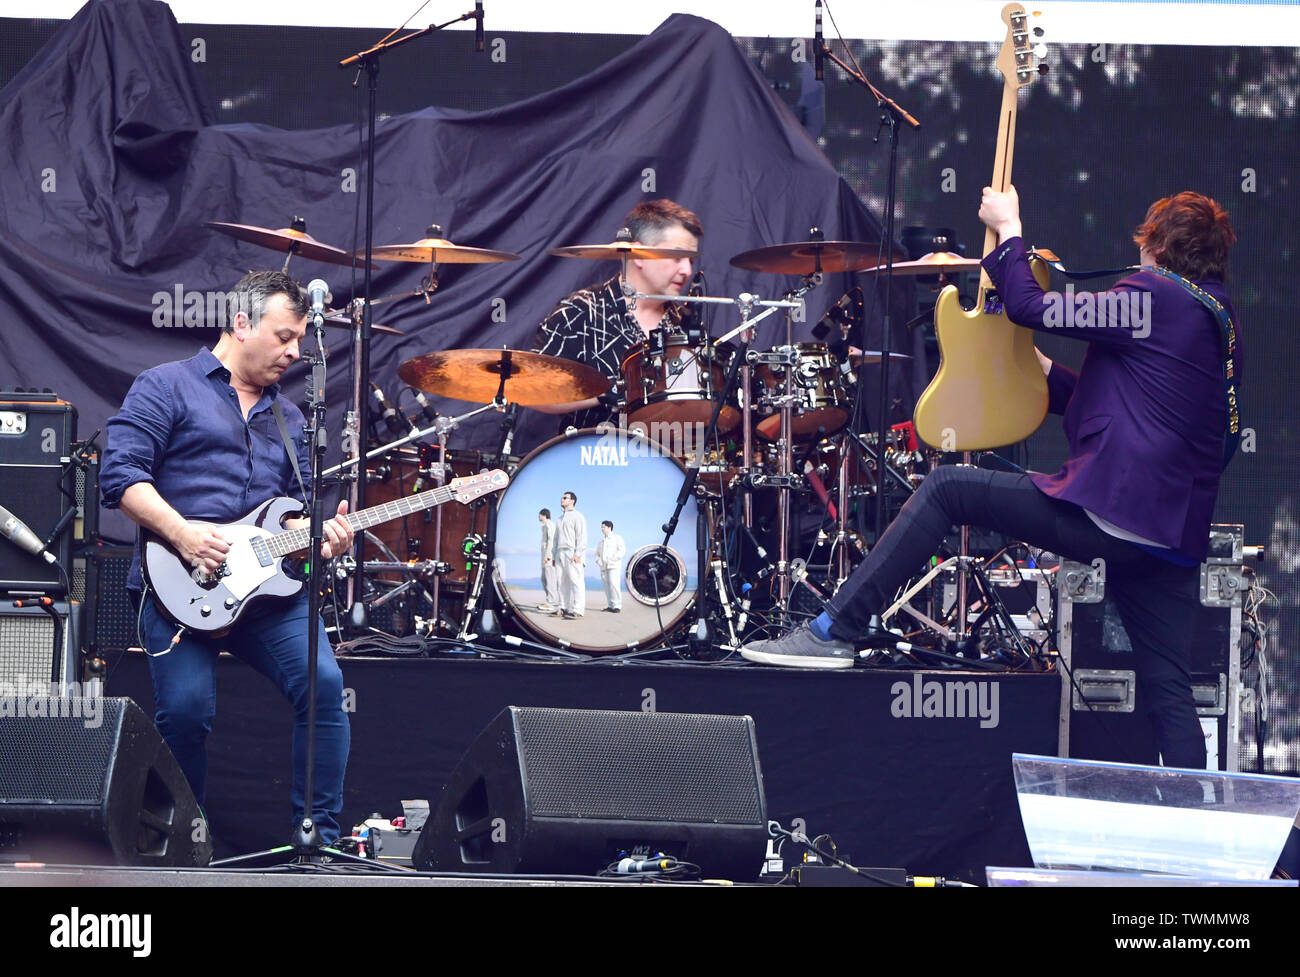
(801, 649)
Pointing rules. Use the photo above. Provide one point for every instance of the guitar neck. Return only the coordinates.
(293, 540)
(1002, 158)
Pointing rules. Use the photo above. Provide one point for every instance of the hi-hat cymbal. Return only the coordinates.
(807, 257)
(475, 375)
(290, 240)
(433, 247)
(934, 263)
(619, 250)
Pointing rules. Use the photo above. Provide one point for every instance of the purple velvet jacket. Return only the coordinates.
(1144, 415)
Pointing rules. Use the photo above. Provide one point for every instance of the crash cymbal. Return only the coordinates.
(291, 240)
(618, 250)
(433, 247)
(343, 320)
(475, 375)
(806, 257)
(934, 263)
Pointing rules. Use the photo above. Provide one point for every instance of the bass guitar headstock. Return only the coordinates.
(1017, 58)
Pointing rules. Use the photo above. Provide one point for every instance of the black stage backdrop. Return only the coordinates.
(113, 125)
(120, 106)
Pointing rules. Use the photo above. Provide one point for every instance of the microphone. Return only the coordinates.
(478, 26)
(508, 420)
(18, 532)
(390, 413)
(426, 409)
(817, 44)
(319, 292)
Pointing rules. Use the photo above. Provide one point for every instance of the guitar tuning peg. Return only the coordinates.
(1039, 32)
(1044, 67)
(1040, 51)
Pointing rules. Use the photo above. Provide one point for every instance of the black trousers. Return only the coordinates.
(1156, 599)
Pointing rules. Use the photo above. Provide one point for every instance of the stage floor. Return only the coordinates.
(842, 752)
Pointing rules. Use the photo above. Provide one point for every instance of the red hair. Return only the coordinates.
(1188, 233)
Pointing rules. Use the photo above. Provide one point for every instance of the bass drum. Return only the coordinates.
(618, 476)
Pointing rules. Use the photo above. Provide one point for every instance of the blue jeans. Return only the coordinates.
(273, 640)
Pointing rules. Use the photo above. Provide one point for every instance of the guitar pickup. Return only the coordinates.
(262, 552)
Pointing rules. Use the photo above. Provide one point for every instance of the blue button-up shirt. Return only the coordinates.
(181, 428)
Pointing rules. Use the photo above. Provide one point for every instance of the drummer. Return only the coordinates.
(594, 325)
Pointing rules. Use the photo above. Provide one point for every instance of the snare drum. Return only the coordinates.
(668, 379)
(620, 476)
(821, 404)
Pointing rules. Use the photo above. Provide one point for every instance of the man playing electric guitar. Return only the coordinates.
(1146, 418)
(195, 443)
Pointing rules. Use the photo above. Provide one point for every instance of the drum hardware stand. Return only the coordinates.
(785, 466)
(700, 637)
(441, 428)
(963, 565)
(368, 61)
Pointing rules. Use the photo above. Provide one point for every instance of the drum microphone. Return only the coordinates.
(19, 533)
(426, 408)
(390, 413)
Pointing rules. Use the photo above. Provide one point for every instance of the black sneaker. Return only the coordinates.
(801, 649)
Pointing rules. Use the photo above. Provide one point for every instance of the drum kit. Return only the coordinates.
(732, 422)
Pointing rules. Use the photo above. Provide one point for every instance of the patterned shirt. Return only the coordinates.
(593, 326)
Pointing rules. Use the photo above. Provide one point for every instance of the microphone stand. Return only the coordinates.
(368, 61)
(893, 116)
(306, 846)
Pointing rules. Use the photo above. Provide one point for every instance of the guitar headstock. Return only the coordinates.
(470, 487)
(1016, 57)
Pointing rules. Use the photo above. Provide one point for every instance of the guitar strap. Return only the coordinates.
(1227, 338)
(288, 448)
(1227, 350)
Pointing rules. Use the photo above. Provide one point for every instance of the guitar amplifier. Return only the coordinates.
(36, 484)
(27, 646)
(110, 616)
(1102, 715)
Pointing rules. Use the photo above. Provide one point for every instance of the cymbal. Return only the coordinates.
(618, 250)
(433, 247)
(343, 320)
(475, 375)
(934, 263)
(289, 240)
(806, 257)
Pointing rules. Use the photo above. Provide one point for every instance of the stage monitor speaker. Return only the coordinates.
(566, 791)
(89, 781)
